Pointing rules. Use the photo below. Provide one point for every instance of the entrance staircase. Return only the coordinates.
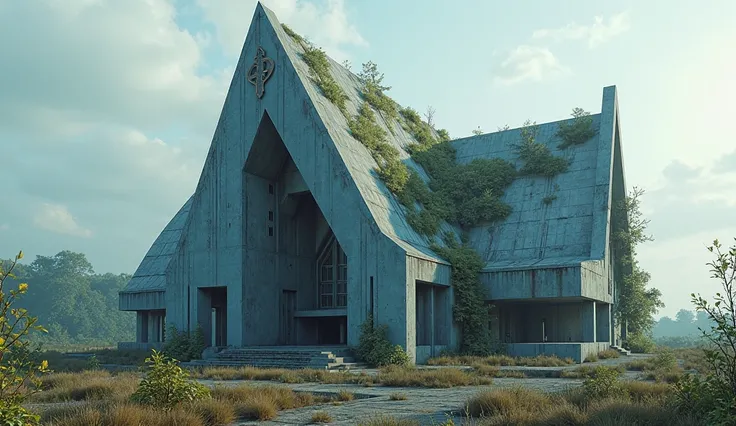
(291, 357)
(621, 350)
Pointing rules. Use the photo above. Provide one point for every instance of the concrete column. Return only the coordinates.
(603, 322)
(588, 321)
(139, 328)
(431, 321)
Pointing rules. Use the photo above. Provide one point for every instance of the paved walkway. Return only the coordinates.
(429, 406)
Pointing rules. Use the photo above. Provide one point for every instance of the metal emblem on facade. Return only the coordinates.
(260, 71)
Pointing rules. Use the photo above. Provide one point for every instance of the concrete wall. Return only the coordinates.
(142, 301)
(224, 243)
(577, 351)
(523, 321)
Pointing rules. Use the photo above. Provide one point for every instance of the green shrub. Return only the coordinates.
(183, 345)
(166, 384)
(604, 383)
(578, 131)
(639, 343)
(14, 414)
(375, 348)
(538, 160)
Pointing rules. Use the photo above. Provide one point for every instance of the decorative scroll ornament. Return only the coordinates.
(260, 71)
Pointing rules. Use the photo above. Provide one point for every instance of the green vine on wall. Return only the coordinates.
(578, 131)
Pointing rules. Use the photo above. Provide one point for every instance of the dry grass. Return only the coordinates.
(384, 420)
(87, 386)
(608, 354)
(388, 376)
(664, 366)
(693, 359)
(306, 375)
(429, 378)
(106, 403)
(586, 371)
(321, 417)
(644, 404)
(121, 415)
(345, 395)
(397, 396)
(505, 360)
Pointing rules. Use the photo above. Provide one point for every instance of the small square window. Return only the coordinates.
(270, 231)
(270, 216)
(270, 188)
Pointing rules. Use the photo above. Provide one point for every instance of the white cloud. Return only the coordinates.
(108, 109)
(57, 218)
(126, 62)
(529, 63)
(327, 26)
(594, 34)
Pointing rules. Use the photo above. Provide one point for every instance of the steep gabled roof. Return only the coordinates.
(552, 218)
(151, 274)
(535, 230)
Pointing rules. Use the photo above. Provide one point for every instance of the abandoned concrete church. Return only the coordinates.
(291, 239)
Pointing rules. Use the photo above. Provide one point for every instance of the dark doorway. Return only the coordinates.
(287, 309)
(213, 315)
(332, 330)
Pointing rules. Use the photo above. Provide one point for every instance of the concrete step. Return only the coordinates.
(279, 357)
(621, 350)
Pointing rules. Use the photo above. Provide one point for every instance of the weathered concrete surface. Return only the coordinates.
(421, 404)
(244, 230)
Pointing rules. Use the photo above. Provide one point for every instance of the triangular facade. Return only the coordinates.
(291, 239)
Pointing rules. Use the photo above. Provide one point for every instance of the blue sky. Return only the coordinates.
(107, 108)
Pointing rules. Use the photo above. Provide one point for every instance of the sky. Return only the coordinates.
(107, 107)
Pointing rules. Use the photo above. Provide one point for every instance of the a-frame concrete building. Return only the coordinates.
(291, 239)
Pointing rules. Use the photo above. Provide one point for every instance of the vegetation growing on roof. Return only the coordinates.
(390, 168)
(373, 91)
(465, 194)
(578, 131)
(316, 59)
(293, 34)
(538, 160)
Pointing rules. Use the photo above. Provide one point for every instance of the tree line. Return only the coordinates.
(75, 304)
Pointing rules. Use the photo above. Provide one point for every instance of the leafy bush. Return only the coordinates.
(604, 383)
(19, 372)
(538, 160)
(714, 397)
(578, 131)
(184, 346)
(166, 384)
(639, 343)
(375, 348)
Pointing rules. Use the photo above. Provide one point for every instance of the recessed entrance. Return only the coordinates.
(212, 303)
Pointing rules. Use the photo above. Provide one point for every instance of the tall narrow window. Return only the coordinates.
(333, 277)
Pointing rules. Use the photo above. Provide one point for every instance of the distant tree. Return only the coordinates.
(77, 305)
(478, 131)
(504, 128)
(685, 318)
